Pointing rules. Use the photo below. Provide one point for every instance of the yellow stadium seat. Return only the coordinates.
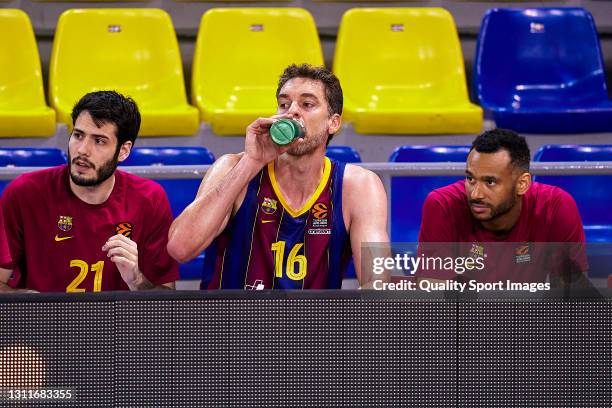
(402, 72)
(239, 56)
(23, 111)
(133, 51)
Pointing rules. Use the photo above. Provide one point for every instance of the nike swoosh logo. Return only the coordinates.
(58, 238)
(267, 221)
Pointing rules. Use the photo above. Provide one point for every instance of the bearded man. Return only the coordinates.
(285, 217)
(524, 231)
(86, 226)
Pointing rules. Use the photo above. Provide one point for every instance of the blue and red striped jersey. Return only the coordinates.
(269, 245)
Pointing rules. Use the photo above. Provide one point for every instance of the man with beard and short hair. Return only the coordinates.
(498, 203)
(86, 226)
(285, 217)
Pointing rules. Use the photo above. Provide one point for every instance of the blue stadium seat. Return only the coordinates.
(30, 157)
(593, 196)
(180, 192)
(408, 193)
(540, 70)
(343, 153)
(169, 156)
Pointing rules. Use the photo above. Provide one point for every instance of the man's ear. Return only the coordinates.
(523, 182)
(124, 151)
(335, 123)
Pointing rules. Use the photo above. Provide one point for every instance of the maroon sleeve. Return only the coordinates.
(5, 255)
(435, 221)
(155, 262)
(13, 225)
(435, 235)
(566, 228)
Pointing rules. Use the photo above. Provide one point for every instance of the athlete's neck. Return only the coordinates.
(95, 194)
(298, 177)
(504, 223)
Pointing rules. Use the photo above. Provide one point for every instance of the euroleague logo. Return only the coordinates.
(319, 220)
(319, 211)
(521, 253)
(125, 229)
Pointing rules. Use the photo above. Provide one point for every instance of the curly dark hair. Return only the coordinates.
(111, 107)
(494, 140)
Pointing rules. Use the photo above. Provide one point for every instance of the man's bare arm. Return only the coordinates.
(5, 275)
(144, 284)
(206, 217)
(222, 190)
(365, 199)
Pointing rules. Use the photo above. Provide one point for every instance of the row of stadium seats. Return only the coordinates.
(592, 193)
(402, 69)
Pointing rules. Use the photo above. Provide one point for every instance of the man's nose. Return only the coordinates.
(294, 110)
(84, 147)
(476, 192)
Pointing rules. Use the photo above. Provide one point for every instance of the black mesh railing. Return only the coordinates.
(303, 349)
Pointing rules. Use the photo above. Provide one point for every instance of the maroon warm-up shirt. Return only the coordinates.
(56, 239)
(548, 215)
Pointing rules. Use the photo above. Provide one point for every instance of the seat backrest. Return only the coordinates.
(343, 153)
(240, 53)
(593, 194)
(407, 56)
(21, 83)
(181, 192)
(408, 193)
(169, 156)
(558, 153)
(538, 57)
(133, 51)
(29, 157)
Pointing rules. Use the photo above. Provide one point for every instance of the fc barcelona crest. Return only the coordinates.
(64, 223)
(269, 205)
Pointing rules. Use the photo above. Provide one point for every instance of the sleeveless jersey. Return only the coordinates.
(268, 245)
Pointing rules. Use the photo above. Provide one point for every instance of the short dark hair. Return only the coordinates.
(333, 90)
(495, 140)
(111, 107)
